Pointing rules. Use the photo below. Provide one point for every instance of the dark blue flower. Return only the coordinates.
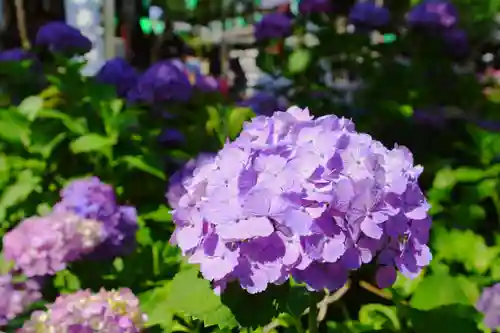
(264, 103)
(368, 14)
(433, 14)
(118, 73)
(315, 6)
(170, 136)
(62, 38)
(15, 55)
(164, 81)
(273, 25)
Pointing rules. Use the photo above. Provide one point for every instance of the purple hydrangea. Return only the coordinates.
(265, 103)
(62, 38)
(273, 25)
(489, 305)
(314, 6)
(16, 296)
(178, 182)
(118, 73)
(15, 55)
(206, 83)
(311, 198)
(91, 199)
(165, 81)
(86, 312)
(432, 14)
(44, 245)
(369, 14)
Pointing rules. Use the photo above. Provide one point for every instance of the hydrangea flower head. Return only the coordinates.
(314, 6)
(177, 182)
(368, 14)
(43, 245)
(118, 73)
(273, 25)
(16, 296)
(165, 81)
(62, 38)
(489, 305)
(92, 199)
(106, 311)
(311, 198)
(433, 14)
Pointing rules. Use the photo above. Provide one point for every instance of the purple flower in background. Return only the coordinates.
(456, 41)
(62, 38)
(265, 103)
(179, 180)
(206, 83)
(311, 198)
(368, 14)
(118, 73)
(314, 6)
(15, 55)
(16, 296)
(165, 81)
(91, 199)
(84, 312)
(489, 305)
(432, 14)
(44, 245)
(273, 25)
(171, 136)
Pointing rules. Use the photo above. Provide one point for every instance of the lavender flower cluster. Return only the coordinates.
(489, 305)
(302, 197)
(87, 222)
(85, 312)
(16, 296)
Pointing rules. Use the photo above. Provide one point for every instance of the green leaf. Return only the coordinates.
(30, 107)
(44, 145)
(235, 119)
(445, 319)
(194, 297)
(299, 60)
(162, 214)
(138, 162)
(268, 303)
(379, 316)
(297, 301)
(445, 179)
(438, 290)
(76, 126)
(24, 185)
(466, 247)
(14, 128)
(405, 286)
(214, 122)
(91, 143)
(66, 281)
(155, 304)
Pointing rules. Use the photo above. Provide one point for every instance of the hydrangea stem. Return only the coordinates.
(313, 312)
